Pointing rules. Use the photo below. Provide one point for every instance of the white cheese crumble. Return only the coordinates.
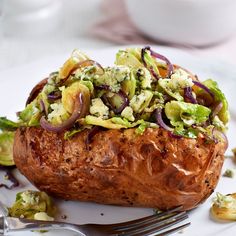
(139, 102)
(57, 114)
(180, 79)
(145, 77)
(29, 199)
(128, 113)
(99, 109)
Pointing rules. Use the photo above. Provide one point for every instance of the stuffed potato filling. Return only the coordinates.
(143, 89)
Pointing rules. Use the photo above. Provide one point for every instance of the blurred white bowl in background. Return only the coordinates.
(31, 18)
(191, 22)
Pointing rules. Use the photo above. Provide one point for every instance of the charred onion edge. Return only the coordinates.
(107, 101)
(154, 74)
(79, 111)
(188, 95)
(54, 95)
(170, 67)
(159, 120)
(124, 104)
(43, 107)
(103, 87)
(36, 90)
(204, 87)
(161, 123)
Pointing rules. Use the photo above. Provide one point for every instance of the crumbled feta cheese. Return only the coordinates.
(99, 109)
(145, 78)
(139, 102)
(128, 113)
(120, 72)
(180, 79)
(29, 198)
(58, 113)
(113, 77)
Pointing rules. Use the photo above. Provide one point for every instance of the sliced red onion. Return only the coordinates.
(154, 74)
(188, 95)
(87, 63)
(10, 177)
(91, 135)
(54, 95)
(217, 109)
(80, 110)
(206, 123)
(104, 97)
(204, 87)
(170, 67)
(18, 113)
(107, 101)
(167, 98)
(124, 104)
(159, 120)
(36, 90)
(42, 106)
(100, 70)
(103, 87)
(161, 123)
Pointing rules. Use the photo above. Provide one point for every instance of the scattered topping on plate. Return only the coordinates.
(9, 176)
(229, 173)
(64, 217)
(33, 205)
(224, 207)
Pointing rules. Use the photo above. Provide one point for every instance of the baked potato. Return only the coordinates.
(120, 167)
(141, 133)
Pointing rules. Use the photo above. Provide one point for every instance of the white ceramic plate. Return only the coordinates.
(15, 85)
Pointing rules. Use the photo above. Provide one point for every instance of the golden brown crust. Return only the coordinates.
(120, 167)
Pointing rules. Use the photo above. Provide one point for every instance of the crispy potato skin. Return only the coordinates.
(120, 167)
